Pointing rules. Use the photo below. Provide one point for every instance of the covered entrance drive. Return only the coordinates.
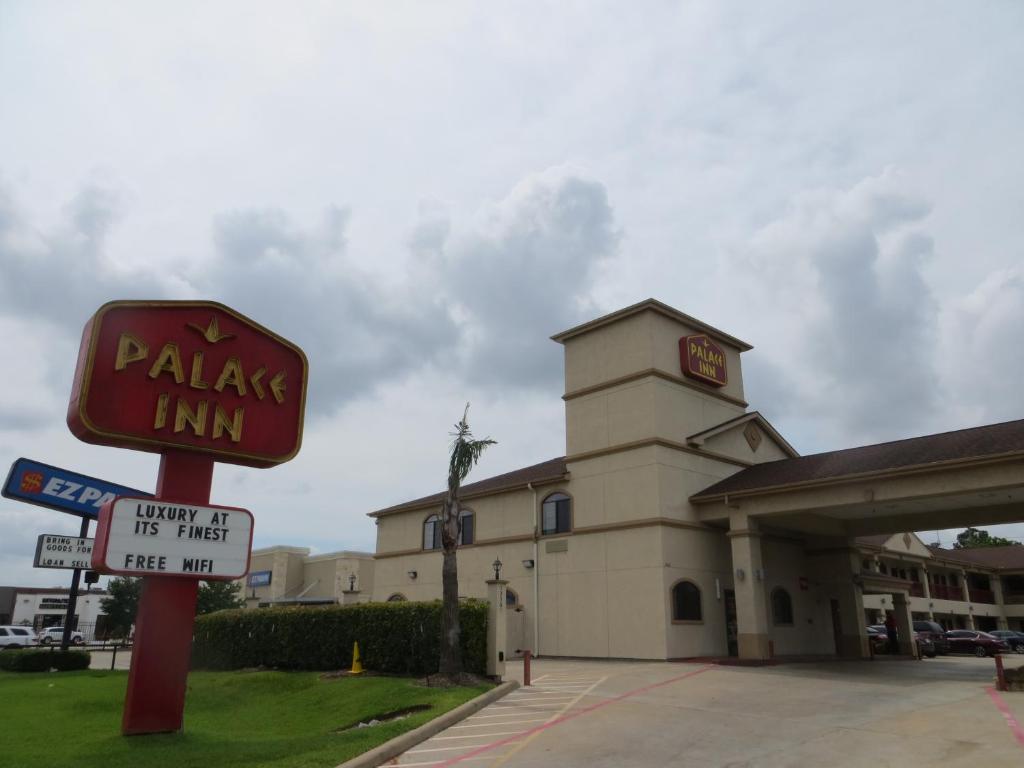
(824, 502)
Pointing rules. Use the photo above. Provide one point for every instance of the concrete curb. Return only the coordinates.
(406, 741)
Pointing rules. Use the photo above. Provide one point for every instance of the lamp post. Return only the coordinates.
(497, 569)
(352, 582)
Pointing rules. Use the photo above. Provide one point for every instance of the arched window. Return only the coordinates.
(686, 602)
(396, 598)
(511, 599)
(432, 530)
(782, 607)
(556, 514)
(467, 523)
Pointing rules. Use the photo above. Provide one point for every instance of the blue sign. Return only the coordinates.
(61, 489)
(259, 578)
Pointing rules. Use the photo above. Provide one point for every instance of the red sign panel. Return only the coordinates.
(192, 375)
(702, 359)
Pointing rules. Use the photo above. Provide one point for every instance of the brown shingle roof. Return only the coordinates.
(546, 471)
(973, 443)
(1001, 558)
(996, 558)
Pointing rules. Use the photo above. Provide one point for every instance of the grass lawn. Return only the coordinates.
(281, 719)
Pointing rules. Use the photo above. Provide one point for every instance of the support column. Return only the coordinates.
(837, 564)
(904, 622)
(154, 700)
(853, 639)
(350, 596)
(496, 630)
(748, 584)
(925, 576)
(997, 589)
(965, 591)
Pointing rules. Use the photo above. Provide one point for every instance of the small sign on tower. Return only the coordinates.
(703, 360)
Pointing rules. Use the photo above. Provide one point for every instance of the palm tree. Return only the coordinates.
(466, 453)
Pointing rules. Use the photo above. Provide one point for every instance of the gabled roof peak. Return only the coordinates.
(652, 305)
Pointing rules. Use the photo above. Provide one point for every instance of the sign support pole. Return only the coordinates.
(155, 698)
(76, 575)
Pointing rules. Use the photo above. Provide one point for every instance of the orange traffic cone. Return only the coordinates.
(357, 665)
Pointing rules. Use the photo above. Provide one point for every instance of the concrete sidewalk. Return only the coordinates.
(593, 714)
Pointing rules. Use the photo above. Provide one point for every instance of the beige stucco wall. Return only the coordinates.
(785, 563)
(733, 443)
(638, 342)
(702, 557)
(294, 572)
(638, 410)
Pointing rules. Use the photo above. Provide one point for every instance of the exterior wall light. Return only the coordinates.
(496, 565)
(740, 574)
(528, 563)
(411, 574)
(352, 583)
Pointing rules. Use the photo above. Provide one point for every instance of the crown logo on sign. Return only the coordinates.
(212, 332)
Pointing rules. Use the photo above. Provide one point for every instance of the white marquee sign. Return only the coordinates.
(144, 537)
(56, 551)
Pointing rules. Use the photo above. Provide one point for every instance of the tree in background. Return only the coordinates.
(121, 604)
(466, 452)
(122, 601)
(217, 596)
(975, 537)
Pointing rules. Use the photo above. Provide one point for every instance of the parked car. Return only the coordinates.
(53, 635)
(878, 639)
(935, 632)
(978, 643)
(17, 637)
(1013, 639)
(926, 644)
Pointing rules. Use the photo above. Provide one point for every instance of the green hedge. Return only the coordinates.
(38, 660)
(398, 638)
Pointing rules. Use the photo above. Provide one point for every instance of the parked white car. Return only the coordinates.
(53, 635)
(17, 637)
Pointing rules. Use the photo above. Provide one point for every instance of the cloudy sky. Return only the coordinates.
(421, 194)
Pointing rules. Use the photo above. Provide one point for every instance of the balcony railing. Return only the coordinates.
(1013, 598)
(982, 595)
(916, 590)
(945, 592)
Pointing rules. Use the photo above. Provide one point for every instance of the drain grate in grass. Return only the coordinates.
(384, 717)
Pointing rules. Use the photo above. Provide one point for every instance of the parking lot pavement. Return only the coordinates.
(593, 714)
(504, 727)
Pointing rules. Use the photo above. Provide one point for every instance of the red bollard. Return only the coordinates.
(526, 667)
(1000, 677)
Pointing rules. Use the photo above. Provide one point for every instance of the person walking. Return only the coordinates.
(892, 633)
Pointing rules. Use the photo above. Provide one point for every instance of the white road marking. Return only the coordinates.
(478, 735)
(507, 722)
(449, 749)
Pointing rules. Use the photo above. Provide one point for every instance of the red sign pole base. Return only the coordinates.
(155, 699)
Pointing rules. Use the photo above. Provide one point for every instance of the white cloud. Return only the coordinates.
(980, 356)
(851, 352)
